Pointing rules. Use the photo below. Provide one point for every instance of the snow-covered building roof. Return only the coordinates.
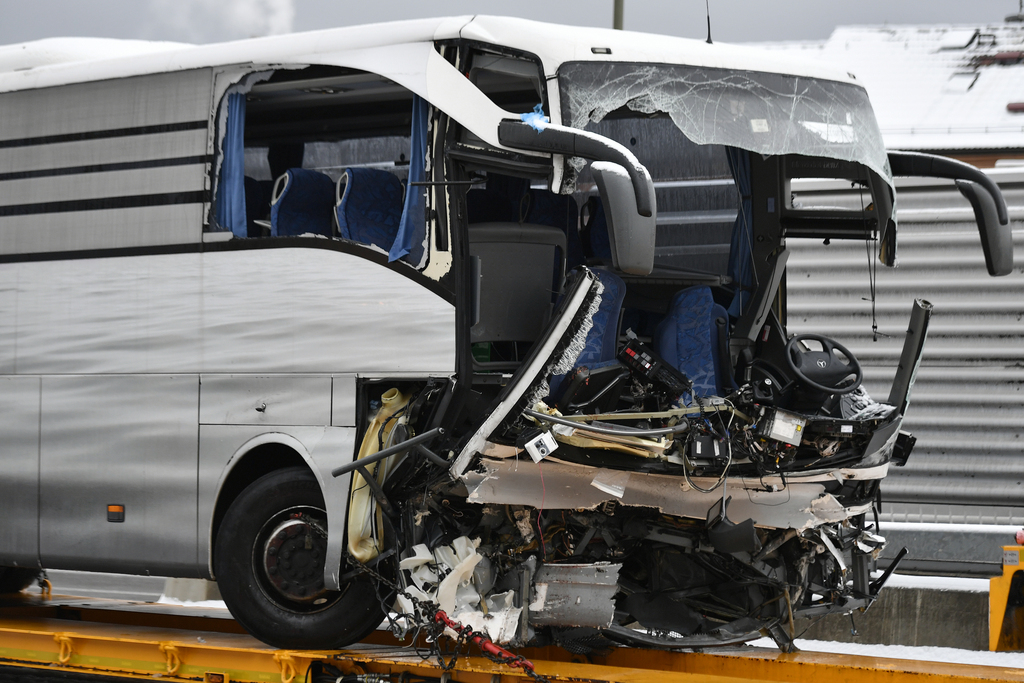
(958, 89)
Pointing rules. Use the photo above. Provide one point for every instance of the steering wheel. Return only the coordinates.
(823, 370)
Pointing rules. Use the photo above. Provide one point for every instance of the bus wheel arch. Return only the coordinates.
(255, 462)
(269, 557)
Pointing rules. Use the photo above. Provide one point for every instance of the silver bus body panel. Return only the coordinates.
(86, 186)
(194, 312)
(102, 229)
(96, 152)
(122, 344)
(106, 164)
(115, 104)
(255, 400)
(343, 401)
(19, 458)
(119, 440)
(323, 449)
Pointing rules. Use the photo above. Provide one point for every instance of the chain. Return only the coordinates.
(430, 617)
(313, 524)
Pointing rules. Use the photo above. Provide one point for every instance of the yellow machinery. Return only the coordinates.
(1006, 603)
(42, 637)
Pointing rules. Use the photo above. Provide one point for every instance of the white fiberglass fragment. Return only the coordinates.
(611, 482)
(562, 430)
(467, 579)
(466, 597)
(445, 556)
(500, 625)
(461, 575)
(421, 555)
(834, 550)
(423, 576)
(827, 509)
(540, 596)
(464, 547)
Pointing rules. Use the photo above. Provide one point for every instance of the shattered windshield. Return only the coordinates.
(765, 113)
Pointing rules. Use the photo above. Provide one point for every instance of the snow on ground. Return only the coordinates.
(925, 654)
(942, 583)
(216, 604)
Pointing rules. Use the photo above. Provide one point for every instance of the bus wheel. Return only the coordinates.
(16, 579)
(269, 561)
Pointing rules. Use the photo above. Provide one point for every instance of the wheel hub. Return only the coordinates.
(293, 560)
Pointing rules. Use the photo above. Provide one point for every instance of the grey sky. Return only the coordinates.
(732, 20)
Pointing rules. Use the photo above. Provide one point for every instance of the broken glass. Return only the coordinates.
(765, 113)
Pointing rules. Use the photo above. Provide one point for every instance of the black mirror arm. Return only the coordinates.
(996, 239)
(555, 139)
(930, 165)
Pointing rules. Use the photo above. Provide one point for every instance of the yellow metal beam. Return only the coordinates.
(1006, 603)
(90, 644)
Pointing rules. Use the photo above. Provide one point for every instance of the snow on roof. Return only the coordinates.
(31, 55)
(67, 60)
(934, 87)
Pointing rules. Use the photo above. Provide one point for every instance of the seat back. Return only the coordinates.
(694, 337)
(301, 203)
(603, 337)
(369, 206)
(512, 200)
(521, 266)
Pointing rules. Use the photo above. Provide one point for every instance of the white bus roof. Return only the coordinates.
(404, 53)
(58, 61)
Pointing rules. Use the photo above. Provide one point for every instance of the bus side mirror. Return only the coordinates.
(555, 139)
(631, 235)
(996, 238)
(980, 190)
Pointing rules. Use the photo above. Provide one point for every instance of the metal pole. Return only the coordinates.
(406, 445)
(910, 359)
(617, 20)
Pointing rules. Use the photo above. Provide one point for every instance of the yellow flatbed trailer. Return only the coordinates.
(78, 638)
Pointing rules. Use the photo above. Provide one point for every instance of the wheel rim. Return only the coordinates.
(288, 560)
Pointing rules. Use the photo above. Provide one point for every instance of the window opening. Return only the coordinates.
(326, 151)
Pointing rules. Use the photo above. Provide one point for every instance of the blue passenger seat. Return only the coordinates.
(369, 206)
(301, 203)
(694, 338)
(603, 338)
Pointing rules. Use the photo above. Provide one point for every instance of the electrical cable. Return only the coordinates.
(728, 462)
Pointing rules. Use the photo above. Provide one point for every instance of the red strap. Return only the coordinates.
(485, 643)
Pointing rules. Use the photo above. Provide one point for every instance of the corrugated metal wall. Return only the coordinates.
(967, 408)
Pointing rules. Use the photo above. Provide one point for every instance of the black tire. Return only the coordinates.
(282, 601)
(16, 579)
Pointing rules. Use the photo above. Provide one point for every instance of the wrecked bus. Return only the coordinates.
(473, 314)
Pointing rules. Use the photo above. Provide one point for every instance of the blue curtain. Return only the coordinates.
(231, 186)
(741, 269)
(412, 229)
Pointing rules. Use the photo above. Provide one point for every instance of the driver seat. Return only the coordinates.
(694, 337)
